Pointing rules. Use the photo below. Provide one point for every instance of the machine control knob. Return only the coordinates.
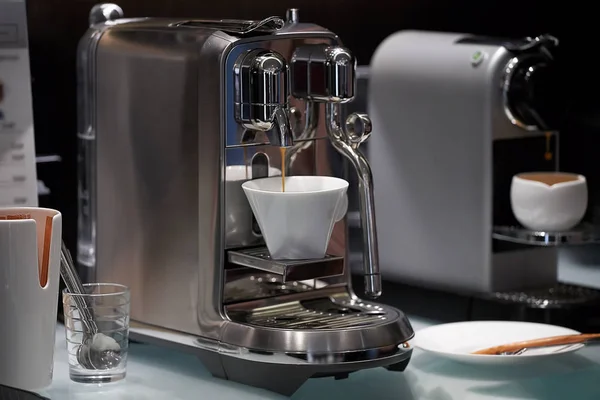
(292, 16)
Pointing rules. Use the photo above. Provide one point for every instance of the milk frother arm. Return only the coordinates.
(346, 141)
(326, 74)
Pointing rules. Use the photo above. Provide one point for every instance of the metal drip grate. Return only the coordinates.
(314, 314)
(559, 296)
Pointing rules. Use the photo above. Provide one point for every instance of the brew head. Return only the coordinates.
(261, 95)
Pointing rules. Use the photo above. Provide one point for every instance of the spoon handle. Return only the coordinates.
(544, 342)
(74, 285)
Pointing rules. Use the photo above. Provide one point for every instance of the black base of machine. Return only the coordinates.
(286, 379)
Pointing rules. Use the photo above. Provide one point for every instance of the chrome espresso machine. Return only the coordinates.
(174, 115)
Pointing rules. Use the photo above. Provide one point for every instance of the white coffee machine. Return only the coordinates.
(456, 116)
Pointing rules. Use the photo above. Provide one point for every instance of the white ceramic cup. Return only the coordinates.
(297, 224)
(548, 201)
(30, 243)
(238, 215)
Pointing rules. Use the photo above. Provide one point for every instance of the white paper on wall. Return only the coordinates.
(18, 178)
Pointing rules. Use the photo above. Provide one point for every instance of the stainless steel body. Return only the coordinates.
(449, 141)
(167, 108)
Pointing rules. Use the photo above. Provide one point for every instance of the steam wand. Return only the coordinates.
(346, 141)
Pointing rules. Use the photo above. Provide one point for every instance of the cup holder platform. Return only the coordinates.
(287, 270)
(581, 234)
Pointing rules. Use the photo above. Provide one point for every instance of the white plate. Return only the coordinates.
(457, 340)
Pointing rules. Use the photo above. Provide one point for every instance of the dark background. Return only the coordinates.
(55, 27)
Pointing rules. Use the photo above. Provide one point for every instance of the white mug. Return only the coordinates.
(30, 243)
(548, 201)
(238, 215)
(297, 224)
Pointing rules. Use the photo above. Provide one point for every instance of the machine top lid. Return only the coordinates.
(109, 12)
(111, 15)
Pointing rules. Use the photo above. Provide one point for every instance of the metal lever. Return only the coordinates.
(261, 95)
(326, 74)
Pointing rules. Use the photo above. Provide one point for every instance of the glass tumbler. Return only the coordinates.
(99, 356)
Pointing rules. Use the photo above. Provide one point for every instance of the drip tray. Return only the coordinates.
(322, 313)
(287, 270)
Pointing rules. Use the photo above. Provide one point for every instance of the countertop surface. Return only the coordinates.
(159, 373)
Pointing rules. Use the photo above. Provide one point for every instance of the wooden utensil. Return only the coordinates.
(544, 342)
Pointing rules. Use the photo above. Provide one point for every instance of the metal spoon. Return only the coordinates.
(88, 355)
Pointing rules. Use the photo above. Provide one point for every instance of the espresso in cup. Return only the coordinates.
(549, 201)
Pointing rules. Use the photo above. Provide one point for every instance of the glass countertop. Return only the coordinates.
(160, 373)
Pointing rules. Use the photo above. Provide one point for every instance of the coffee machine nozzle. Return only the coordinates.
(236, 90)
(261, 95)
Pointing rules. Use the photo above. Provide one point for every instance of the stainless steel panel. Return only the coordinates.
(158, 165)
